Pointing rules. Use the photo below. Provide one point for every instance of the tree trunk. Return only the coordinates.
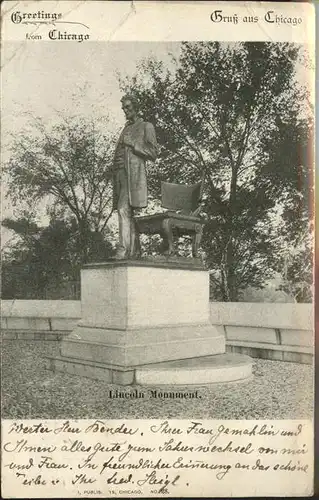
(231, 278)
(84, 242)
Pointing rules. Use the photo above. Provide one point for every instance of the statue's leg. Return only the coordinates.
(135, 239)
(197, 239)
(167, 232)
(124, 216)
(164, 245)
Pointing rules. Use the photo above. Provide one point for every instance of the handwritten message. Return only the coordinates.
(156, 458)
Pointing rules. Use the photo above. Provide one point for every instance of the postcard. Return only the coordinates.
(157, 249)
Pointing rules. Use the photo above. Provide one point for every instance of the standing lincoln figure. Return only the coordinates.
(136, 144)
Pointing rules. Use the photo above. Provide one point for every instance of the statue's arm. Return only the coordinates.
(148, 148)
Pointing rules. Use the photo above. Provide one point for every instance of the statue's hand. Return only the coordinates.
(128, 142)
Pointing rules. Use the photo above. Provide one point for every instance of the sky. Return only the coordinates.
(43, 76)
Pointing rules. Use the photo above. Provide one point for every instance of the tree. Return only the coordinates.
(218, 116)
(294, 180)
(46, 258)
(69, 165)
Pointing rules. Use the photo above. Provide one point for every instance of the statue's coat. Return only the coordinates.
(144, 147)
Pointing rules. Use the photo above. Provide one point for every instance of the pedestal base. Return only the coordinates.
(136, 346)
(220, 368)
(147, 322)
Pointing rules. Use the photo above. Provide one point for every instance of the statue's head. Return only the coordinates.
(130, 107)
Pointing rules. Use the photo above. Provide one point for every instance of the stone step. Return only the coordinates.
(219, 368)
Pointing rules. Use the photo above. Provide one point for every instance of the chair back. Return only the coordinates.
(181, 197)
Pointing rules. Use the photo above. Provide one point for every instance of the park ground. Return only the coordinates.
(278, 390)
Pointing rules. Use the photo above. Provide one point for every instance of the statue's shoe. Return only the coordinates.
(135, 255)
(120, 255)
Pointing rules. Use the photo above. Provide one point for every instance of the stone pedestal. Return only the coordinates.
(137, 313)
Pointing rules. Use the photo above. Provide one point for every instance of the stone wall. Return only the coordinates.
(271, 331)
(31, 318)
(265, 330)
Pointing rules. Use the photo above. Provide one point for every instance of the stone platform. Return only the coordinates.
(137, 315)
(193, 371)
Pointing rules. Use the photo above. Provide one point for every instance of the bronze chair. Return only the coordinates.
(181, 218)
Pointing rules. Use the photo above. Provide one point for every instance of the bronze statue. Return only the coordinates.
(137, 144)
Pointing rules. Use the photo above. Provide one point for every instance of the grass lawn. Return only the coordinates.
(278, 390)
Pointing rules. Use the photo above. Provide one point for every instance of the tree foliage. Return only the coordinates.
(46, 259)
